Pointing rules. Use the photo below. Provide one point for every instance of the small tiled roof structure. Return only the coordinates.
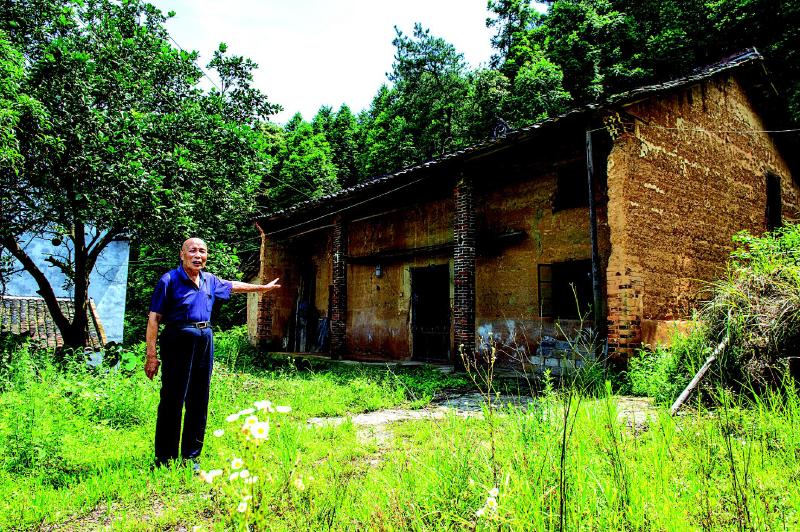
(28, 316)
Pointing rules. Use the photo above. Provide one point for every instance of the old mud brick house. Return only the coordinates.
(632, 202)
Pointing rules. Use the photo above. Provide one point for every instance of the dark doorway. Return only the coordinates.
(305, 330)
(430, 313)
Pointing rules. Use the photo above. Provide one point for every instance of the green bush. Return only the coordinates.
(757, 305)
(232, 348)
(665, 372)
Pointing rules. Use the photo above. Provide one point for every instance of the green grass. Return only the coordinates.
(76, 451)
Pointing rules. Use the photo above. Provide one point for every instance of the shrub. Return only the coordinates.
(757, 304)
(232, 348)
(665, 372)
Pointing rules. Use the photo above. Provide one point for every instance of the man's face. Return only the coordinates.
(194, 255)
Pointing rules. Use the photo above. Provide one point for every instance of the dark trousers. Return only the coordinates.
(187, 357)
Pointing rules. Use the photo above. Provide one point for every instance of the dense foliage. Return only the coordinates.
(755, 307)
(579, 51)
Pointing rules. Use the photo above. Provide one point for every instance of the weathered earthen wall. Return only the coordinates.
(685, 176)
(507, 282)
(379, 308)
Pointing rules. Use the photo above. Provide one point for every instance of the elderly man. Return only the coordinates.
(183, 300)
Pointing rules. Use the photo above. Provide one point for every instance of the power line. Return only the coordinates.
(348, 207)
(171, 38)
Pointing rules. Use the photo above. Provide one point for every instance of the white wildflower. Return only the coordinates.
(494, 492)
(264, 405)
(237, 463)
(260, 431)
(246, 411)
(219, 432)
(244, 473)
(283, 409)
(210, 475)
(298, 483)
(231, 418)
(242, 508)
(233, 476)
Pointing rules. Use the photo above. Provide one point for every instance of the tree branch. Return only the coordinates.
(97, 248)
(45, 290)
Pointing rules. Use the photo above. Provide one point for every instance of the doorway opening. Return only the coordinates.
(430, 313)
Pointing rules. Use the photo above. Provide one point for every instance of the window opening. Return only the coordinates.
(774, 219)
(572, 188)
(565, 289)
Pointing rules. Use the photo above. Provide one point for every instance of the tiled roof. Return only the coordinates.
(29, 316)
(746, 57)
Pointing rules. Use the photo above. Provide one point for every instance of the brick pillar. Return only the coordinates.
(464, 270)
(339, 297)
(624, 313)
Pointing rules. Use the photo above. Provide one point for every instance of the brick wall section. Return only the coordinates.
(624, 291)
(339, 295)
(464, 268)
(684, 176)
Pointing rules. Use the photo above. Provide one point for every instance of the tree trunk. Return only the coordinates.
(75, 334)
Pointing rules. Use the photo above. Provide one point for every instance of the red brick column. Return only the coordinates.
(624, 314)
(464, 270)
(264, 318)
(339, 297)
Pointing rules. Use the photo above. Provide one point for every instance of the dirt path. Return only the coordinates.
(635, 412)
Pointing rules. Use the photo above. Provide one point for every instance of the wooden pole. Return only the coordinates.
(698, 377)
(597, 290)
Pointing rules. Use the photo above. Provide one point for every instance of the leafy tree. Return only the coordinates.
(305, 169)
(487, 103)
(773, 26)
(429, 78)
(342, 139)
(323, 120)
(386, 142)
(14, 103)
(513, 21)
(538, 92)
(137, 148)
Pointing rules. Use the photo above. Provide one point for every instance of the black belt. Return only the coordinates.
(195, 324)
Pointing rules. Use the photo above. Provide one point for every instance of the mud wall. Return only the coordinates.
(274, 310)
(687, 171)
(379, 308)
(507, 293)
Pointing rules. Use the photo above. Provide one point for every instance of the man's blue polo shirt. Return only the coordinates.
(178, 299)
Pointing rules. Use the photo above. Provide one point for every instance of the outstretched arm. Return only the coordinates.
(238, 286)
